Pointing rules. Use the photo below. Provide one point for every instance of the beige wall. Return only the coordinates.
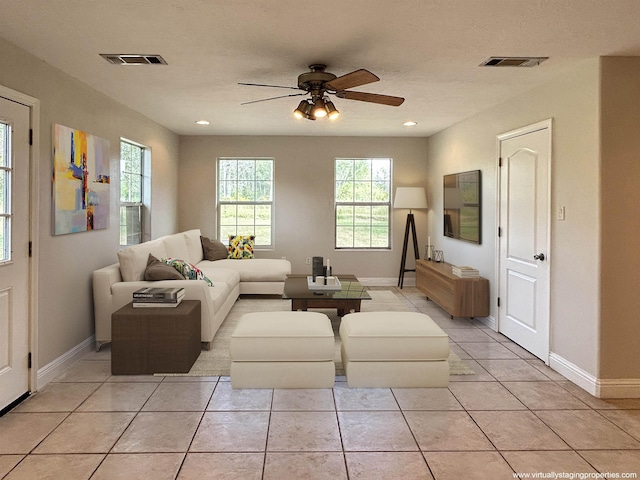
(572, 102)
(304, 193)
(595, 269)
(65, 303)
(620, 231)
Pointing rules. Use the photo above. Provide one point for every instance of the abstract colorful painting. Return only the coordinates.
(80, 181)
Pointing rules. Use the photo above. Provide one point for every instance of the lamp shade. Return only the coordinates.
(410, 197)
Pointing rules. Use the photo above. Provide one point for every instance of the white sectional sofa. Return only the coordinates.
(114, 285)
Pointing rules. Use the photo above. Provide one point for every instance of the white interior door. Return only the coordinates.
(14, 251)
(523, 315)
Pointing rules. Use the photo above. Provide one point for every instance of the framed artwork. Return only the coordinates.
(80, 181)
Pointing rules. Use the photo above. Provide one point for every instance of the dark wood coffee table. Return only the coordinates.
(346, 300)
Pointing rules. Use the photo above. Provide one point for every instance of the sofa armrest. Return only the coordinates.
(103, 279)
(193, 290)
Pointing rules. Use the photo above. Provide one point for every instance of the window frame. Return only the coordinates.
(144, 205)
(6, 169)
(221, 203)
(359, 203)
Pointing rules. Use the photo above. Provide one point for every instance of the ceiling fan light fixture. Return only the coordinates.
(303, 110)
(332, 111)
(319, 109)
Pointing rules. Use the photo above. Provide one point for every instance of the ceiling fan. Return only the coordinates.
(319, 84)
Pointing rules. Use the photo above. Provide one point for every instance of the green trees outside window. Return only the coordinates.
(131, 200)
(245, 199)
(363, 203)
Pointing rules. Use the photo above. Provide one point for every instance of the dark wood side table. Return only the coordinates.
(155, 340)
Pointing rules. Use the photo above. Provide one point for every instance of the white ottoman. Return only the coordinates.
(394, 349)
(282, 350)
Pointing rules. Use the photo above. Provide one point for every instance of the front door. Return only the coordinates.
(523, 313)
(14, 251)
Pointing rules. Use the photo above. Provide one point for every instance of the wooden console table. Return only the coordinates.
(459, 297)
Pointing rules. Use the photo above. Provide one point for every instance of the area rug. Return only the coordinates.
(216, 362)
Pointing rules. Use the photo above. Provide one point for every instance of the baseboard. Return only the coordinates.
(572, 372)
(618, 388)
(489, 321)
(63, 362)
(386, 281)
(601, 388)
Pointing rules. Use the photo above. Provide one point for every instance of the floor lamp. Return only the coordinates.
(411, 198)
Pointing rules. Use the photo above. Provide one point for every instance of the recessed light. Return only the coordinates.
(410, 123)
(203, 122)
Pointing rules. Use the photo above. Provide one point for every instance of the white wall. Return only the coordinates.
(304, 193)
(572, 101)
(66, 262)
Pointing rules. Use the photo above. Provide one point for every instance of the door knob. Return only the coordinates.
(540, 257)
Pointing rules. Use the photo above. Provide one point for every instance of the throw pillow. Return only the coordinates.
(157, 270)
(241, 246)
(213, 249)
(190, 272)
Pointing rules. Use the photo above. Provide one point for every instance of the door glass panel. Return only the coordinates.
(5, 193)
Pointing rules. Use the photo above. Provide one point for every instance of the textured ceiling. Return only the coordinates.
(427, 51)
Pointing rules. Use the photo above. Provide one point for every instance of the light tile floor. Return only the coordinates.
(515, 415)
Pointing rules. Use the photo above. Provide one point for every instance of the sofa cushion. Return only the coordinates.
(241, 246)
(190, 271)
(219, 294)
(194, 247)
(176, 246)
(157, 270)
(254, 270)
(216, 275)
(133, 260)
(213, 249)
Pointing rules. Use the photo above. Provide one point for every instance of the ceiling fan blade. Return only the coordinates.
(274, 98)
(350, 80)
(263, 85)
(372, 98)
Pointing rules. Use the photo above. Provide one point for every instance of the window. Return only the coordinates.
(363, 203)
(133, 194)
(5, 194)
(245, 199)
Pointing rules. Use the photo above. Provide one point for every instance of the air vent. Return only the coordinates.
(133, 59)
(513, 61)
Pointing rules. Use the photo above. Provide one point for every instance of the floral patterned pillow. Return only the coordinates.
(241, 246)
(190, 271)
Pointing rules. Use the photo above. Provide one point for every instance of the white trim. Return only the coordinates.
(63, 362)
(34, 224)
(618, 388)
(386, 281)
(489, 321)
(601, 388)
(583, 379)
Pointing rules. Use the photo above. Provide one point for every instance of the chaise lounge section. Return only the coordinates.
(113, 285)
